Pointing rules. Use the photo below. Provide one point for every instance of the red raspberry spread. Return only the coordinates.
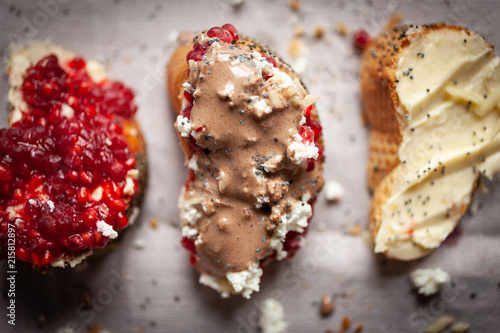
(66, 167)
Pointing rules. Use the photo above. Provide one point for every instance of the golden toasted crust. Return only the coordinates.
(381, 103)
(177, 73)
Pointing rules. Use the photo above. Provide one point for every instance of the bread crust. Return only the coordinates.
(16, 71)
(381, 103)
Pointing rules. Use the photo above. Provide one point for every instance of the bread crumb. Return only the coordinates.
(346, 322)
(460, 327)
(318, 32)
(367, 237)
(327, 305)
(440, 324)
(356, 230)
(342, 29)
(394, 21)
(296, 48)
(348, 294)
(94, 329)
(358, 327)
(299, 30)
(294, 5)
(153, 222)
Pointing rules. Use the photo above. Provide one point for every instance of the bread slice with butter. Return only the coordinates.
(431, 96)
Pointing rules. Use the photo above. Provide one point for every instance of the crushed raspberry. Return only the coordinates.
(63, 165)
(360, 39)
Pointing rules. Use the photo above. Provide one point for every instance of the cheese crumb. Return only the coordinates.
(272, 317)
(183, 126)
(106, 229)
(429, 281)
(333, 191)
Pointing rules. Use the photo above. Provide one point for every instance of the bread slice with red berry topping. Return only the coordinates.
(253, 147)
(431, 95)
(73, 165)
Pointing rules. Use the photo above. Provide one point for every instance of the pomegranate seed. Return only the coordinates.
(188, 244)
(307, 134)
(316, 128)
(310, 165)
(361, 39)
(272, 61)
(187, 112)
(193, 259)
(320, 151)
(194, 55)
(308, 112)
(77, 63)
(231, 29)
(216, 32)
(189, 97)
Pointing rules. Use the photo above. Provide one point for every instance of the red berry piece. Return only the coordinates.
(307, 134)
(361, 39)
(231, 29)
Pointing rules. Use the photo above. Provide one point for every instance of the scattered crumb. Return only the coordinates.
(306, 285)
(356, 230)
(333, 191)
(272, 317)
(295, 48)
(367, 237)
(429, 281)
(153, 222)
(440, 324)
(139, 243)
(346, 322)
(460, 327)
(298, 30)
(359, 327)
(96, 328)
(348, 294)
(66, 329)
(318, 32)
(86, 298)
(294, 5)
(327, 305)
(236, 3)
(173, 37)
(342, 29)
